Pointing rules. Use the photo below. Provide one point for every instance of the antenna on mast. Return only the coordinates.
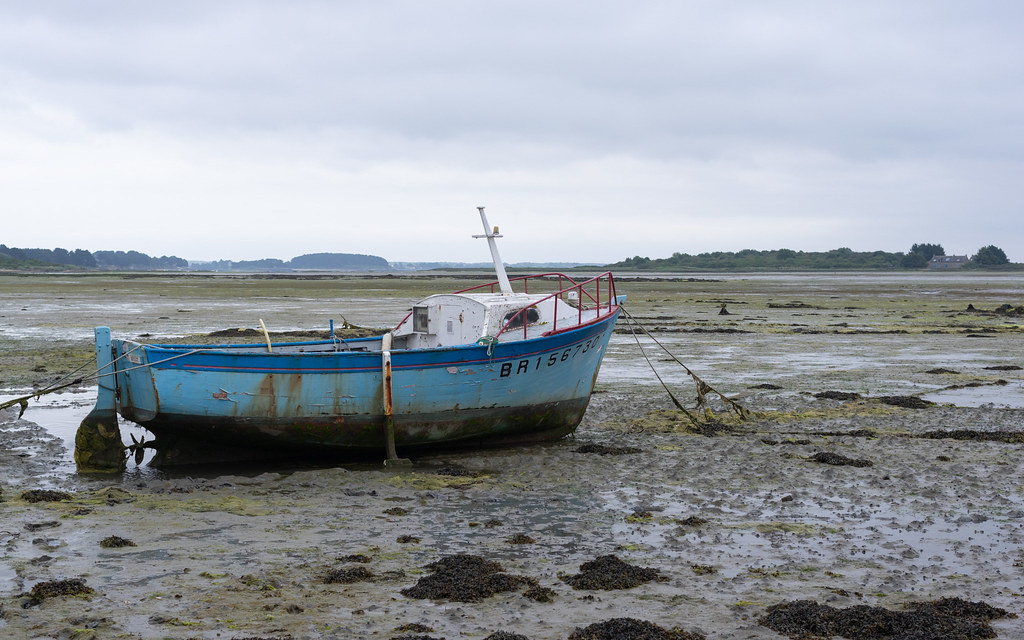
(499, 266)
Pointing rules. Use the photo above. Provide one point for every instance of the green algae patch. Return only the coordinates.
(228, 504)
(856, 408)
(795, 528)
(427, 482)
(675, 421)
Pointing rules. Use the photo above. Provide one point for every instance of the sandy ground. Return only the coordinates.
(241, 556)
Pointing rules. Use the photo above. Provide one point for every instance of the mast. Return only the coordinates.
(499, 266)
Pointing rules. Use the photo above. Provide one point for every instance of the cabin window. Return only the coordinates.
(419, 320)
(531, 315)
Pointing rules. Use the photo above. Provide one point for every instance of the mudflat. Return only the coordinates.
(880, 468)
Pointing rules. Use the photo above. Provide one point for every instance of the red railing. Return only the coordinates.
(588, 290)
(601, 281)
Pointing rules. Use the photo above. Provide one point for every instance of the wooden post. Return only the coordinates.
(389, 419)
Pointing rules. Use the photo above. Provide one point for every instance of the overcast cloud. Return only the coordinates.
(592, 131)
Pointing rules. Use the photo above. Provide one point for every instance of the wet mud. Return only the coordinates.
(735, 520)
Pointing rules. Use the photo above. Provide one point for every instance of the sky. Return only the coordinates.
(591, 130)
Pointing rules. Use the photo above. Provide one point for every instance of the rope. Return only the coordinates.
(95, 375)
(490, 341)
(678, 404)
(703, 388)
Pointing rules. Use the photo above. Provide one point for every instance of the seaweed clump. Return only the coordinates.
(950, 618)
(691, 521)
(413, 627)
(827, 457)
(456, 471)
(1009, 437)
(114, 542)
(606, 450)
(44, 495)
(947, 617)
(540, 594)
(837, 395)
(506, 635)
(465, 578)
(348, 575)
(630, 629)
(609, 572)
(54, 588)
(907, 402)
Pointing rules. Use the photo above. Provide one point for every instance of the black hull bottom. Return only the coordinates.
(198, 440)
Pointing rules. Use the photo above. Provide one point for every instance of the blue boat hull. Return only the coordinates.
(332, 403)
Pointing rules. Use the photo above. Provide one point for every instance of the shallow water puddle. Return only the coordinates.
(838, 536)
(1010, 396)
(61, 413)
(7, 583)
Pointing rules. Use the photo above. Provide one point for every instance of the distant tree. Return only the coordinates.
(914, 260)
(169, 262)
(990, 256)
(344, 261)
(636, 261)
(928, 250)
(82, 258)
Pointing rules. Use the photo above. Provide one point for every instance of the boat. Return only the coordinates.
(481, 367)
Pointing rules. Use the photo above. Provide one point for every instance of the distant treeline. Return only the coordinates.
(771, 260)
(76, 258)
(14, 258)
(94, 259)
(790, 260)
(313, 261)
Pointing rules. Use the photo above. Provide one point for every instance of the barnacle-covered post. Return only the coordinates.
(98, 445)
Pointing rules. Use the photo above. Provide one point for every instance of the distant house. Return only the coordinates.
(947, 262)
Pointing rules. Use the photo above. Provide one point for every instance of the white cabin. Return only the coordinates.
(448, 320)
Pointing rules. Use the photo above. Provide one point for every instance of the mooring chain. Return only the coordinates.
(703, 388)
(679, 405)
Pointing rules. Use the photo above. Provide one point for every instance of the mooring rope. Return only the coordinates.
(703, 388)
(679, 405)
(95, 375)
